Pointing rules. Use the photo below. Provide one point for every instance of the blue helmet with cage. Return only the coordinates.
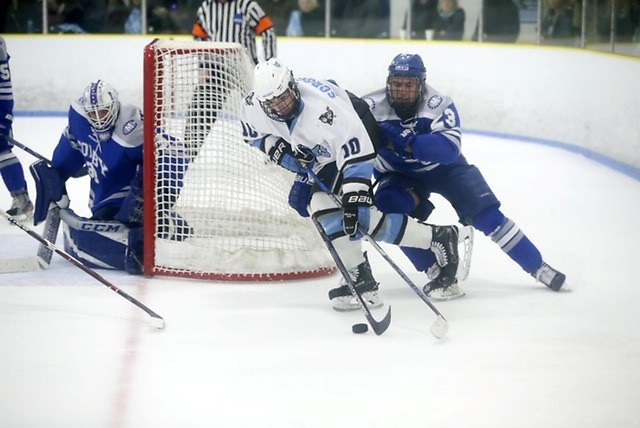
(405, 95)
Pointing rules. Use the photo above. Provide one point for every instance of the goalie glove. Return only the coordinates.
(356, 211)
(50, 190)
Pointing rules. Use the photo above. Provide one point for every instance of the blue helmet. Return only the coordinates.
(407, 65)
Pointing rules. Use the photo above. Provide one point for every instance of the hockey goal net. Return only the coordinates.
(214, 207)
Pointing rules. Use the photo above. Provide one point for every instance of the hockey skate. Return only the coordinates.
(21, 206)
(550, 277)
(443, 274)
(341, 297)
(442, 287)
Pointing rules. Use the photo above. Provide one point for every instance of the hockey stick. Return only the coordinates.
(28, 150)
(52, 222)
(441, 326)
(35, 154)
(378, 327)
(156, 320)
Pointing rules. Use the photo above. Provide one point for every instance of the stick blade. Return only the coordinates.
(440, 327)
(157, 323)
(381, 326)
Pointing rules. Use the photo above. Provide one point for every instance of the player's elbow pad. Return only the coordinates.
(435, 148)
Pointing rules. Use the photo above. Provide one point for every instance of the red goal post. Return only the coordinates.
(214, 207)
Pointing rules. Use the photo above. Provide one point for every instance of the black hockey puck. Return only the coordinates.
(359, 328)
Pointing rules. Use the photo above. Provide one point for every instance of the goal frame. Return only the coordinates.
(152, 93)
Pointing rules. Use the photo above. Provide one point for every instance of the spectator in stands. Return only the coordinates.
(557, 23)
(66, 16)
(160, 20)
(116, 16)
(360, 18)
(500, 22)
(280, 12)
(307, 20)
(423, 13)
(448, 23)
(133, 25)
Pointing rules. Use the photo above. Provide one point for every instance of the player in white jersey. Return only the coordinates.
(105, 137)
(313, 123)
(421, 154)
(10, 168)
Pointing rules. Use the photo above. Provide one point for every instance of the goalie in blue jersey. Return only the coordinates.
(105, 138)
(10, 168)
(421, 154)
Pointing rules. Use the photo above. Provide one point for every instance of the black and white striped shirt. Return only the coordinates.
(236, 21)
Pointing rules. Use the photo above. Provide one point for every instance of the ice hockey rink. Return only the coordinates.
(75, 354)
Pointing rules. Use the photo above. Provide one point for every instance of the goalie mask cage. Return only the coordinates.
(214, 207)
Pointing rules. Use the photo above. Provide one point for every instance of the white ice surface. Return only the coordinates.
(75, 354)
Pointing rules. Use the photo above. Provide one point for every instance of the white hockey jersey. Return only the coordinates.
(327, 124)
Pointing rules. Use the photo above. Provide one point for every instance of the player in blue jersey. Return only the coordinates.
(105, 137)
(420, 155)
(10, 168)
(316, 123)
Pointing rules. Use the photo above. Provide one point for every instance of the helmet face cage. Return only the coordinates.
(284, 106)
(406, 65)
(100, 103)
(276, 90)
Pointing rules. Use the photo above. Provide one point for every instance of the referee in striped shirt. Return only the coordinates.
(236, 21)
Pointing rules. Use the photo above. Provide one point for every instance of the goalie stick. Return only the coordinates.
(378, 327)
(50, 231)
(441, 326)
(156, 320)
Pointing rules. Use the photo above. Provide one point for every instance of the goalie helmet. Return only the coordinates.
(276, 90)
(406, 84)
(100, 103)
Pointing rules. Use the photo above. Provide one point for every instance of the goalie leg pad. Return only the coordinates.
(49, 189)
(96, 243)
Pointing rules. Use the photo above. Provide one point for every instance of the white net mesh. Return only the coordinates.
(220, 206)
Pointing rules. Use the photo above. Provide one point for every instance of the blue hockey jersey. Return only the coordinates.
(6, 95)
(419, 144)
(111, 158)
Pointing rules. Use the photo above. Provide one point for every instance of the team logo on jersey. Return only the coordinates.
(249, 99)
(434, 101)
(237, 19)
(371, 102)
(129, 127)
(327, 117)
(317, 151)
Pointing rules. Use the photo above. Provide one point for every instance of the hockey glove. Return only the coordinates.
(294, 160)
(282, 154)
(300, 194)
(50, 189)
(400, 137)
(356, 208)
